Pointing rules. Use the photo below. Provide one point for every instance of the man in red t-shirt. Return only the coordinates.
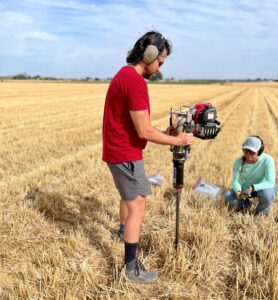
(126, 130)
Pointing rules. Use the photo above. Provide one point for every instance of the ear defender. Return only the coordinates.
(150, 54)
(261, 150)
(152, 51)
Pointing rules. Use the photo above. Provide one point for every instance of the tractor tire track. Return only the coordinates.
(271, 111)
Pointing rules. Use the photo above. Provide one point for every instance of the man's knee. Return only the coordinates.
(137, 206)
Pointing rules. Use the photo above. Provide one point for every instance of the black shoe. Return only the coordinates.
(136, 272)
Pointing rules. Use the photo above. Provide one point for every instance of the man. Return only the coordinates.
(253, 176)
(126, 130)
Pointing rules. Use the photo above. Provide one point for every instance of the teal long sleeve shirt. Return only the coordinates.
(260, 174)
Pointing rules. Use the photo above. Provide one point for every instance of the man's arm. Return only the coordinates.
(144, 129)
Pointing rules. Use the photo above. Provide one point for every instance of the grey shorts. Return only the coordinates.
(130, 179)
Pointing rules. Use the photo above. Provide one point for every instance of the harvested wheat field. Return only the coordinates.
(59, 205)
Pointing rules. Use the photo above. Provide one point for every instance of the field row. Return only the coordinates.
(54, 151)
(51, 131)
(59, 204)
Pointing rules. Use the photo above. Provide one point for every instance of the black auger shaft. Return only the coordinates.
(178, 198)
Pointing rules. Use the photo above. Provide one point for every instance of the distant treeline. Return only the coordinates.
(25, 76)
(157, 77)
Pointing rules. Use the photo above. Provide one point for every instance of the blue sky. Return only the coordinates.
(78, 38)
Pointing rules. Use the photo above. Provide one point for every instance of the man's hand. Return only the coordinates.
(170, 131)
(145, 131)
(184, 139)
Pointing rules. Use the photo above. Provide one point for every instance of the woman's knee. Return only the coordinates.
(229, 195)
(266, 195)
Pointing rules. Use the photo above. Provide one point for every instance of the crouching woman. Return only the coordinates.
(253, 176)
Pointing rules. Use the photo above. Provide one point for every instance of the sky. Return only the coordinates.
(212, 39)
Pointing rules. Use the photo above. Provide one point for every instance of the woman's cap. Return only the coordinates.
(252, 143)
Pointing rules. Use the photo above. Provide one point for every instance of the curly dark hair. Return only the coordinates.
(135, 55)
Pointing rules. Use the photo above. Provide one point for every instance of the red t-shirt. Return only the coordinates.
(127, 92)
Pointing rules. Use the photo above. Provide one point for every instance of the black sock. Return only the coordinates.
(122, 227)
(130, 252)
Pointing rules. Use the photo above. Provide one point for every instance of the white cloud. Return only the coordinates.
(39, 35)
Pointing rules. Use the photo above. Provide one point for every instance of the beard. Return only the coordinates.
(147, 73)
(147, 76)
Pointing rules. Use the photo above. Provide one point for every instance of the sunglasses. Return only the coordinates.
(160, 63)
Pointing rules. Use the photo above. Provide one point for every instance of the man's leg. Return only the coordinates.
(135, 271)
(133, 185)
(119, 234)
(123, 212)
(265, 200)
(135, 214)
